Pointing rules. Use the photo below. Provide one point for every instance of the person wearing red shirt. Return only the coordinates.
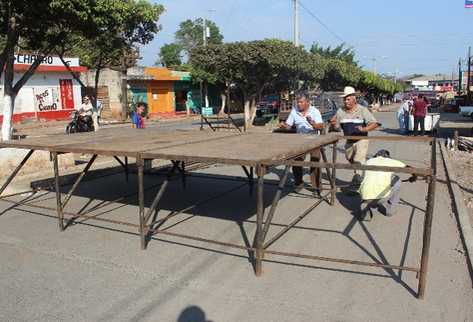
(420, 111)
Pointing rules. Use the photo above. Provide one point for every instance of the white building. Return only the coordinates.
(51, 93)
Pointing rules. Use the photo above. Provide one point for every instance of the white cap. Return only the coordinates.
(347, 91)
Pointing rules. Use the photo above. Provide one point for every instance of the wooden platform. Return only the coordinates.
(179, 145)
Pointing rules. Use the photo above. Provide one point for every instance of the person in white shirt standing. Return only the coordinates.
(403, 116)
(307, 120)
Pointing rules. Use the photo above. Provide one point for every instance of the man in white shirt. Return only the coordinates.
(86, 108)
(307, 120)
(403, 116)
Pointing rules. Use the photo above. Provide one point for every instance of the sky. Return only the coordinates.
(403, 36)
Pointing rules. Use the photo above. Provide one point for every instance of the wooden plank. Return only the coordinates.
(138, 141)
(248, 149)
(49, 141)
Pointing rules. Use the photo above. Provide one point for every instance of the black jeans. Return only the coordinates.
(419, 120)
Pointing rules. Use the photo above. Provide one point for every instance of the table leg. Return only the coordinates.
(60, 214)
(259, 220)
(141, 201)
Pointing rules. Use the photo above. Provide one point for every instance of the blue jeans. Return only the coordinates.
(386, 205)
(403, 120)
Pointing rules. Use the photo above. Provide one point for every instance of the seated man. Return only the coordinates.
(381, 189)
(307, 120)
(86, 111)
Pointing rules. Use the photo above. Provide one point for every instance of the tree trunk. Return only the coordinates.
(247, 113)
(124, 97)
(252, 110)
(94, 101)
(96, 86)
(223, 97)
(3, 56)
(8, 107)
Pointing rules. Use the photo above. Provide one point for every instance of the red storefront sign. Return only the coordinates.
(67, 96)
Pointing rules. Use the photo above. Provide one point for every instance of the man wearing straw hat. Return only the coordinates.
(355, 120)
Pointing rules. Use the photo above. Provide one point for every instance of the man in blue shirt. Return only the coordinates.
(137, 116)
(307, 120)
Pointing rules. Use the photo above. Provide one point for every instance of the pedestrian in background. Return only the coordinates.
(419, 110)
(403, 116)
(137, 119)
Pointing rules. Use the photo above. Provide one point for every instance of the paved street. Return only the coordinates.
(97, 272)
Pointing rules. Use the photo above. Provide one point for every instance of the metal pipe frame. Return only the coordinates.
(61, 204)
(124, 165)
(262, 227)
(15, 172)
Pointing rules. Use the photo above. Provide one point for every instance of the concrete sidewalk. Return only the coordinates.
(96, 272)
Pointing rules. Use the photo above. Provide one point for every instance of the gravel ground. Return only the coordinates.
(463, 162)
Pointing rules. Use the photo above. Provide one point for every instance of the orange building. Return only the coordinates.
(165, 91)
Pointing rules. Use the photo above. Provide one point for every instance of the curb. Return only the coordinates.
(461, 211)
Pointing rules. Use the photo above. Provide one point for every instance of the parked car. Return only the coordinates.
(325, 104)
(269, 106)
(466, 111)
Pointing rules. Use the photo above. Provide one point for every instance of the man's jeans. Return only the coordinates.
(386, 205)
(314, 172)
(419, 120)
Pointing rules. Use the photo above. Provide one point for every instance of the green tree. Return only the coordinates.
(190, 34)
(338, 74)
(42, 26)
(170, 55)
(340, 52)
(126, 24)
(254, 67)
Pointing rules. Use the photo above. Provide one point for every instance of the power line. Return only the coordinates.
(313, 15)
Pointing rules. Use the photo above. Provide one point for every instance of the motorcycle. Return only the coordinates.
(79, 123)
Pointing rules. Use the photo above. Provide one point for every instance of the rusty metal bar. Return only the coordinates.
(175, 213)
(156, 200)
(428, 224)
(33, 191)
(204, 240)
(161, 191)
(141, 201)
(183, 174)
(258, 245)
(270, 252)
(333, 179)
(341, 260)
(275, 203)
(119, 161)
(127, 171)
(15, 172)
(350, 166)
(250, 176)
(324, 159)
(294, 222)
(75, 215)
(388, 138)
(77, 182)
(60, 213)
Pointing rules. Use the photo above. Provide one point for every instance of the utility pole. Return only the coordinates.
(205, 35)
(468, 92)
(460, 76)
(296, 23)
(204, 32)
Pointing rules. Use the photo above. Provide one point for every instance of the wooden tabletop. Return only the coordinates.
(181, 145)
